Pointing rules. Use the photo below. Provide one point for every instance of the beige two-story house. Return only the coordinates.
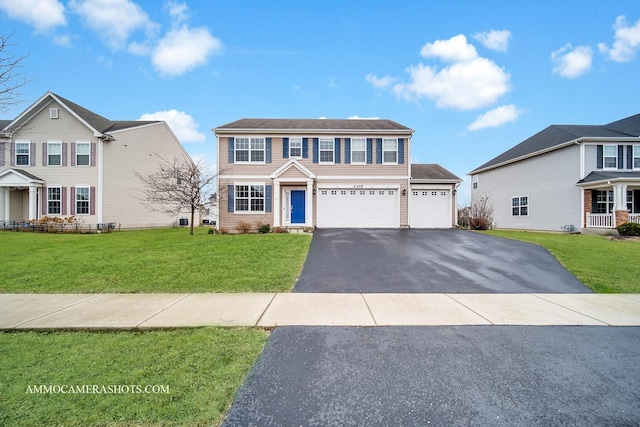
(326, 173)
(59, 159)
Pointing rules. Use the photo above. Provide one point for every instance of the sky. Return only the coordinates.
(472, 78)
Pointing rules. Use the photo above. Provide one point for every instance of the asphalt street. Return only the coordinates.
(429, 261)
(443, 376)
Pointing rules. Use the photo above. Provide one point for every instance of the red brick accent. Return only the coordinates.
(588, 200)
(622, 217)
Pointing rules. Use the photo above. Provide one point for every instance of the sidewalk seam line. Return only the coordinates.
(56, 311)
(470, 309)
(161, 311)
(570, 309)
(375, 323)
(265, 310)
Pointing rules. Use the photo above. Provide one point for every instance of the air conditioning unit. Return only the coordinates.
(53, 113)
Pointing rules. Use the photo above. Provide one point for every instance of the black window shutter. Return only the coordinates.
(305, 148)
(369, 150)
(629, 156)
(267, 154)
(230, 199)
(620, 156)
(347, 150)
(231, 153)
(600, 157)
(379, 150)
(336, 151)
(400, 150)
(285, 148)
(315, 150)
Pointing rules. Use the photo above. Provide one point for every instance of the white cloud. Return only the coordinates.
(626, 43)
(494, 39)
(62, 40)
(572, 62)
(184, 49)
(181, 123)
(462, 86)
(456, 49)
(178, 11)
(380, 82)
(496, 117)
(43, 15)
(113, 20)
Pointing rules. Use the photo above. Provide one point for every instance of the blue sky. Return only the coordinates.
(472, 78)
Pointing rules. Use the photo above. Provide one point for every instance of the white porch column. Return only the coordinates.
(33, 202)
(276, 203)
(620, 197)
(6, 206)
(309, 208)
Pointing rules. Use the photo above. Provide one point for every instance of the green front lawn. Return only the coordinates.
(193, 374)
(603, 264)
(161, 260)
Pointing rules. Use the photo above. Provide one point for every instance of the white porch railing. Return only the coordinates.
(599, 220)
(635, 217)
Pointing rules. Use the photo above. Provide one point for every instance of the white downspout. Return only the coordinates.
(100, 180)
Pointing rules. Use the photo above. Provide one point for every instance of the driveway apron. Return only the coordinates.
(429, 261)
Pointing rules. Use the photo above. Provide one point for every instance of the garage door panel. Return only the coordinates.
(362, 208)
(430, 209)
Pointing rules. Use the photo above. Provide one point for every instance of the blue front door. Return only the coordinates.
(297, 207)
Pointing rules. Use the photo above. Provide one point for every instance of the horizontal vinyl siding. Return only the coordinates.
(590, 158)
(229, 220)
(549, 181)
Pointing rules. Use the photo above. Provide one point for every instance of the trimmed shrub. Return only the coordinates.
(264, 228)
(243, 227)
(629, 229)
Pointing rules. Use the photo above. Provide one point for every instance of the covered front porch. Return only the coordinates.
(19, 195)
(611, 200)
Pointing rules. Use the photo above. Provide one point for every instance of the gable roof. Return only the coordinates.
(432, 172)
(97, 123)
(313, 125)
(558, 136)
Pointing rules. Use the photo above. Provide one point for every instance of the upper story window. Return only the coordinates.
(249, 149)
(54, 154)
(636, 156)
(326, 150)
(22, 153)
(520, 206)
(295, 147)
(390, 150)
(358, 151)
(610, 156)
(83, 153)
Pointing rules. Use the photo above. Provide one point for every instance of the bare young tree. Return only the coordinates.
(11, 78)
(481, 214)
(179, 186)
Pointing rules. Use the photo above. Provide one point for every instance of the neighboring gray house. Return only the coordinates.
(60, 159)
(566, 176)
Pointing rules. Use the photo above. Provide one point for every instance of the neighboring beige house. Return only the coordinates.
(60, 159)
(327, 173)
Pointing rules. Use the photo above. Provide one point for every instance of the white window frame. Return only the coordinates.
(321, 150)
(58, 154)
(51, 200)
(607, 202)
(386, 149)
(636, 157)
(605, 156)
(295, 144)
(22, 153)
(249, 143)
(362, 141)
(77, 201)
(88, 154)
(250, 197)
(518, 204)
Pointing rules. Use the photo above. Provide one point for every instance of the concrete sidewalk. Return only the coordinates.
(155, 311)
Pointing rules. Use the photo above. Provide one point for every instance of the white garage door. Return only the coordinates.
(360, 208)
(430, 209)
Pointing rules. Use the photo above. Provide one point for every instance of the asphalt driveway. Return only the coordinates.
(429, 261)
(443, 376)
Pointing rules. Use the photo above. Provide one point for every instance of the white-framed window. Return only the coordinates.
(604, 201)
(325, 148)
(54, 154)
(249, 198)
(82, 200)
(23, 152)
(520, 206)
(358, 151)
(295, 147)
(389, 150)
(636, 156)
(250, 149)
(83, 153)
(54, 200)
(610, 156)
(630, 201)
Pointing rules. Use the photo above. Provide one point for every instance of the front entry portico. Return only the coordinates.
(293, 195)
(19, 195)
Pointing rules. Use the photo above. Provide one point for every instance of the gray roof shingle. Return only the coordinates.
(313, 124)
(597, 176)
(432, 171)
